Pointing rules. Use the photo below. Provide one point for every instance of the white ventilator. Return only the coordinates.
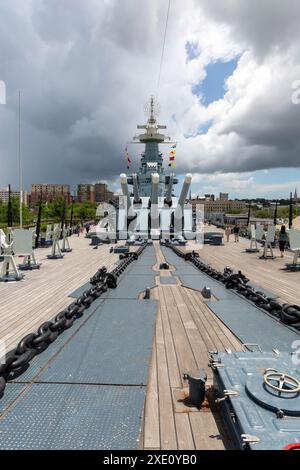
(270, 238)
(294, 239)
(65, 241)
(55, 251)
(9, 270)
(179, 211)
(48, 238)
(154, 210)
(253, 241)
(259, 233)
(136, 194)
(125, 191)
(22, 246)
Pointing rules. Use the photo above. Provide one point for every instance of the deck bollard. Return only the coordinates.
(147, 293)
(197, 380)
(206, 292)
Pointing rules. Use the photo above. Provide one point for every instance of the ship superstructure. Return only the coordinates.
(152, 157)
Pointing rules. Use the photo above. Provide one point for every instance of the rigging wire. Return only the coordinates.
(163, 49)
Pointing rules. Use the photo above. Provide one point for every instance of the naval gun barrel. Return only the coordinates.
(136, 195)
(154, 189)
(125, 191)
(168, 198)
(183, 195)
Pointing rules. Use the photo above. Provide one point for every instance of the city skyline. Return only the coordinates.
(232, 105)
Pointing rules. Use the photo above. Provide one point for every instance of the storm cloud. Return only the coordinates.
(85, 69)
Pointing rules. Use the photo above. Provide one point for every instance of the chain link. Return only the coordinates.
(33, 343)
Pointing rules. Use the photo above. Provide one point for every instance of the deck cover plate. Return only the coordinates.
(253, 419)
(65, 416)
(252, 325)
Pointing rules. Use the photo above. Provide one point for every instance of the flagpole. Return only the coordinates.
(20, 166)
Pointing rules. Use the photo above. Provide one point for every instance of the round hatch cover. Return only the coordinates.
(276, 391)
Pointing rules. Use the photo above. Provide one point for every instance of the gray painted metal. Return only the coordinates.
(202, 280)
(119, 293)
(186, 271)
(167, 280)
(114, 347)
(243, 373)
(144, 270)
(40, 361)
(64, 416)
(252, 325)
(131, 286)
(87, 389)
(12, 391)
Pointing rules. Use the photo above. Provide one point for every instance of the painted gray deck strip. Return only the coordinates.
(252, 325)
(64, 416)
(113, 347)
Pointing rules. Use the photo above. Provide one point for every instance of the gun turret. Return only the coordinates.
(124, 186)
(154, 202)
(168, 198)
(184, 191)
(136, 195)
(154, 189)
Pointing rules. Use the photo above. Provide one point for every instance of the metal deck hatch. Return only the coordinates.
(258, 416)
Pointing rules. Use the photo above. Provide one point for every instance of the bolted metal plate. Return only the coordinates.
(148, 257)
(289, 403)
(11, 393)
(252, 418)
(167, 280)
(39, 361)
(131, 286)
(144, 270)
(252, 325)
(113, 347)
(198, 282)
(182, 267)
(65, 416)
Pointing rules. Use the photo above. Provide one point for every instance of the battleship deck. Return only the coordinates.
(186, 329)
(24, 305)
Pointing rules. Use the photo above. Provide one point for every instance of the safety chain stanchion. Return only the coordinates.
(33, 343)
(288, 314)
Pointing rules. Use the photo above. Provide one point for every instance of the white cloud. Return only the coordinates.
(86, 71)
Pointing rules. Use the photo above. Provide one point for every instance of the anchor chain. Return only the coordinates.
(286, 313)
(33, 343)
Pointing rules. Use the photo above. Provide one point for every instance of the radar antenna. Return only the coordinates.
(152, 110)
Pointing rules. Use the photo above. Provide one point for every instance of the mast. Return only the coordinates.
(20, 166)
(152, 158)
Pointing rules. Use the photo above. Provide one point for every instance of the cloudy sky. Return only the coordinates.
(85, 68)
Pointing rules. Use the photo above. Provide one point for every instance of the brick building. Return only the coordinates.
(102, 193)
(49, 192)
(86, 192)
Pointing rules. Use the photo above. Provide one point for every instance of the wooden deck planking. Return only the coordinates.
(186, 330)
(25, 304)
